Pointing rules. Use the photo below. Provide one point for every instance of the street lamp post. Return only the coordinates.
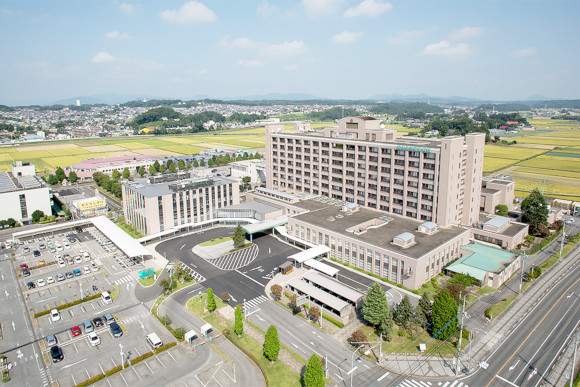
(352, 363)
(522, 276)
(566, 223)
(122, 362)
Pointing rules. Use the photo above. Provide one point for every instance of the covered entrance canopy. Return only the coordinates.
(268, 224)
(311, 253)
(321, 267)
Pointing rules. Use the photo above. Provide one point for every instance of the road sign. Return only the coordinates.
(301, 300)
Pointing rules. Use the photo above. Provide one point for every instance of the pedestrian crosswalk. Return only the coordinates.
(194, 274)
(421, 383)
(255, 302)
(124, 280)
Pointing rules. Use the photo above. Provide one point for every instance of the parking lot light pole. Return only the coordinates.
(522, 276)
(122, 362)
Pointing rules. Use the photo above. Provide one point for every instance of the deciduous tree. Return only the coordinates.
(115, 175)
(238, 324)
(72, 176)
(276, 291)
(126, 173)
(141, 171)
(211, 305)
(535, 210)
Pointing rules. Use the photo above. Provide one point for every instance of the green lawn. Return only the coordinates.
(216, 241)
(150, 280)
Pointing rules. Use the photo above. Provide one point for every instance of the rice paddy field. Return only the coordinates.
(548, 158)
(552, 153)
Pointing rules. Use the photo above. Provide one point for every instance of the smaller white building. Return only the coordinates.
(22, 192)
(255, 169)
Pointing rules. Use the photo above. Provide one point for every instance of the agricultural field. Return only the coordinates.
(550, 158)
(491, 164)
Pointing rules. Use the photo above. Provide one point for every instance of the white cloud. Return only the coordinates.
(445, 48)
(405, 37)
(524, 52)
(241, 43)
(250, 63)
(290, 68)
(118, 36)
(8, 12)
(192, 11)
(296, 47)
(320, 8)
(127, 8)
(267, 9)
(466, 33)
(369, 8)
(346, 37)
(103, 57)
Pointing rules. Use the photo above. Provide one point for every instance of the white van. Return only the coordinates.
(154, 340)
(106, 297)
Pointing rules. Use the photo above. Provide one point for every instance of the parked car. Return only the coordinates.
(86, 256)
(24, 267)
(69, 275)
(88, 326)
(41, 262)
(75, 330)
(60, 277)
(54, 315)
(51, 340)
(78, 259)
(94, 339)
(56, 354)
(42, 246)
(94, 267)
(116, 330)
(36, 253)
(25, 273)
(98, 322)
(30, 285)
(70, 261)
(61, 263)
(86, 270)
(40, 282)
(59, 248)
(52, 249)
(77, 272)
(26, 249)
(108, 318)
(50, 280)
(72, 239)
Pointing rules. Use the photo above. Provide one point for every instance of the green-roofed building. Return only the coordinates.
(490, 266)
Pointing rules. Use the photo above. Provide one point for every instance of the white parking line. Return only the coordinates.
(136, 373)
(160, 362)
(73, 364)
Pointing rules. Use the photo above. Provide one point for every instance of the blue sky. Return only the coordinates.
(501, 50)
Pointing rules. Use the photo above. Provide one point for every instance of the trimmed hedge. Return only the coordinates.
(165, 347)
(68, 305)
(335, 322)
(241, 247)
(92, 380)
(544, 243)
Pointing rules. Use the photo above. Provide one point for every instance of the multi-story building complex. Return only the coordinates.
(153, 207)
(435, 180)
(107, 165)
(22, 192)
(497, 191)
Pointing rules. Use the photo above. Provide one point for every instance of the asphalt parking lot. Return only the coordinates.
(83, 361)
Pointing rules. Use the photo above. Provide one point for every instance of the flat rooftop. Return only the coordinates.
(160, 189)
(513, 229)
(319, 213)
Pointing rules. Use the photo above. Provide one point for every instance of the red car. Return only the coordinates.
(75, 331)
(24, 266)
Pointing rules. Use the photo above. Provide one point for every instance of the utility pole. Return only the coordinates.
(563, 236)
(573, 361)
(522, 273)
(460, 335)
(543, 186)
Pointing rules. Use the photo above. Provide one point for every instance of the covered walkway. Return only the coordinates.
(312, 253)
(268, 224)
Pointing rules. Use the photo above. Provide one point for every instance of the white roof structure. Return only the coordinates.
(311, 253)
(321, 267)
(265, 225)
(405, 236)
(334, 286)
(497, 221)
(130, 246)
(206, 328)
(317, 294)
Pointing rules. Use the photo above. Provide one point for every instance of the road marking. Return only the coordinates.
(13, 326)
(73, 364)
(183, 246)
(232, 297)
(515, 365)
(367, 366)
(532, 332)
(384, 376)
(250, 278)
(507, 381)
(351, 371)
(534, 372)
(338, 376)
